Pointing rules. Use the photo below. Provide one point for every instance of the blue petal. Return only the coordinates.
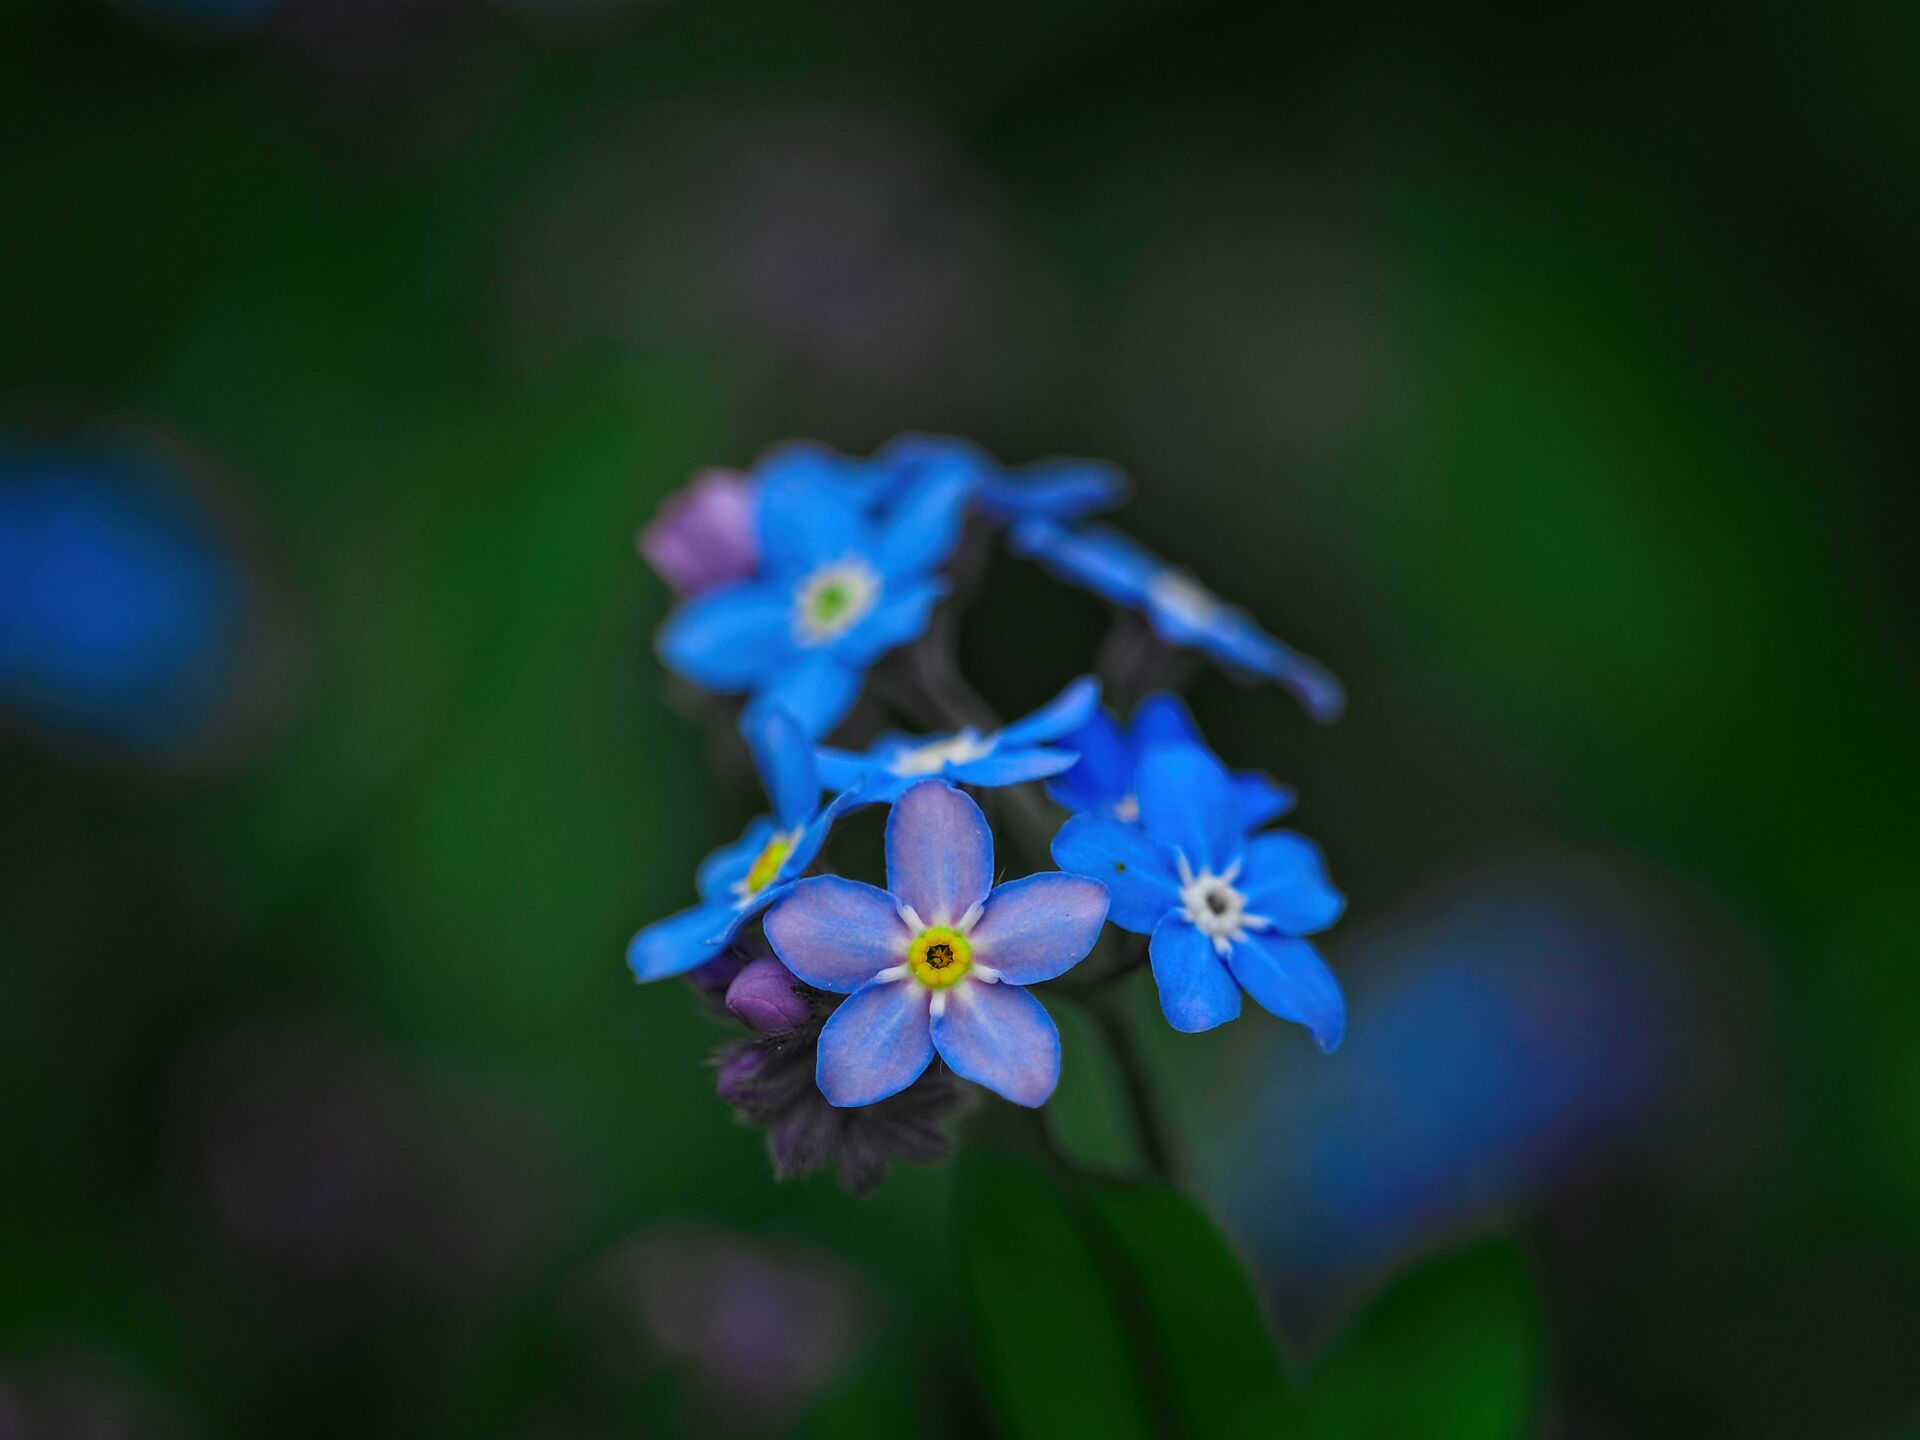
(783, 755)
(805, 524)
(902, 615)
(1012, 767)
(1262, 798)
(911, 459)
(919, 536)
(1289, 978)
(675, 945)
(1286, 881)
(939, 852)
(1187, 801)
(876, 1044)
(816, 689)
(821, 468)
(1040, 927)
(729, 639)
(1196, 992)
(1104, 776)
(839, 769)
(1101, 559)
(837, 934)
(814, 837)
(1164, 719)
(1136, 869)
(1059, 490)
(1240, 642)
(1001, 1037)
(715, 878)
(1068, 711)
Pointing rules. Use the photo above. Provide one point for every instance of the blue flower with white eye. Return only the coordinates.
(739, 880)
(836, 588)
(1103, 782)
(1012, 755)
(1063, 491)
(938, 962)
(1181, 610)
(1226, 909)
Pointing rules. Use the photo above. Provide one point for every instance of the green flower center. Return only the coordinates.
(766, 865)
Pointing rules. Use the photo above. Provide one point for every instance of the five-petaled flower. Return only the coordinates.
(837, 588)
(739, 880)
(937, 962)
(1104, 781)
(1226, 909)
(1011, 755)
(1181, 610)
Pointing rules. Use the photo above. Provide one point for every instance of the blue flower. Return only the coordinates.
(1012, 755)
(739, 880)
(1180, 609)
(1226, 910)
(938, 962)
(1064, 491)
(1103, 782)
(837, 588)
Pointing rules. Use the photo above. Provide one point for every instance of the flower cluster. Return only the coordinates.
(822, 588)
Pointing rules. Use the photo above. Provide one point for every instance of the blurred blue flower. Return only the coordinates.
(739, 880)
(939, 961)
(1226, 910)
(1064, 491)
(1103, 782)
(124, 613)
(1181, 610)
(836, 589)
(1011, 755)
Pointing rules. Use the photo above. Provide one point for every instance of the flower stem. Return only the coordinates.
(1109, 1010)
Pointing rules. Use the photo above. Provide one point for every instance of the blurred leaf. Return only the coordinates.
(1454, 1343)
(1207, 1335)
(1056, 1353)
(1087, 1115)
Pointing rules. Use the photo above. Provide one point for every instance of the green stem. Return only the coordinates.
(1108, 1009)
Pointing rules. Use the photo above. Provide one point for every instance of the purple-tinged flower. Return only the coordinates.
(836, 589)
(939, 962)
(706, 536)
(739, 880)
(1012, 755)
(1103, 782)
(1181, 610)
(764, 997)
(1226, 910)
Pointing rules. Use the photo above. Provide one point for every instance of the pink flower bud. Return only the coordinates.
(705, 535)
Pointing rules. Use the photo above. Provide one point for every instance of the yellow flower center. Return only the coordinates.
(766, 865)
(940, 956)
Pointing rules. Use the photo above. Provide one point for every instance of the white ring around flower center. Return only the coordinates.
(833, 599)
(1216, 907)
(1180, 595)
(934, 756)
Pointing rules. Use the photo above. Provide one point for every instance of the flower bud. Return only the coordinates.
(764, 998)
(706, 535)
(734, 1083)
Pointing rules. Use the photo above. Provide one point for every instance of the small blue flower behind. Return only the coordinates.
(938, 962)
(739, 880)
(1226, 910)
(1104, 782)
(1181, 610)
(837, 588)
(1012, 755)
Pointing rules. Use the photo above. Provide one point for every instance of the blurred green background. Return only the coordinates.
(1540, 371)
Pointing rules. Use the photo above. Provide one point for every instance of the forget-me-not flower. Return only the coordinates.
(1103, 782)
(1226, 909)
(739, 880)
(1012, 755)
(1181, 610)
(938, 962)
(837, 588)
